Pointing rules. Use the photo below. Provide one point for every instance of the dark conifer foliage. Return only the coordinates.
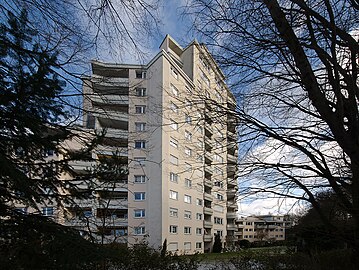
(31, 113)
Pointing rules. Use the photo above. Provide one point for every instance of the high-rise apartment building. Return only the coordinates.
(169, 122)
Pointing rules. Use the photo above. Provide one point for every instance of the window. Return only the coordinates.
(174, 177)
(188, 119)
(140, 127)
(173, 229)
(87, 213)
(187, 214)
(174, 73)
(188, 167)
(140, 74)
(204, 78)
(199, 202)
(218, 171)
(218, 184)
(173, 246)
(140, 109)
(188, 183)
(220, 233)
(173, 212)
(188, 151)
(198, 245)
(218, 220)
(200, 143)
(187, 230)
(141, 92)
(173, 195)
(140, 161)
(173, 160)
(173, 142)
(218, 158)
(140, 196)
(174, 107)
(199, 216)
(188, 103)
(140, 230)
(219, 197)
(200, 130)
(188, 135)
(140, 179)
(173, 124)
(48, 211)
(140, 213)
(140, 144)
(187, 245)
(187, 199)
(199, 231)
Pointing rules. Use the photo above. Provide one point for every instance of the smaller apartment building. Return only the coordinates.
(262, 228)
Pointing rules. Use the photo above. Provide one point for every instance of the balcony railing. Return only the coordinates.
(207, 211)
(232, 226)
(207, 238)
(207, 224)
(110, 99)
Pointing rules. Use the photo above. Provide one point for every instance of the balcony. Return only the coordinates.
(207, 211)
(208, 158)
(231, 183)
(208, 146)
(207, 238)
(208, 170)
(110, 99)
(232, 226)
(208, 182)
(208, 132)
(231, 215)
(80, 166)
(207, 224)
(110, 114)
(113, 203)
(112, 221)
(116, 133)
(231, 159)
(232, 205)
(208, 197)
(231, 193)
(237, 233)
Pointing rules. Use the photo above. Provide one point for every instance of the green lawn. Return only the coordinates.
(228, 255)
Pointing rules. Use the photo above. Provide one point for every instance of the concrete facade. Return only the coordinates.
(169, 125)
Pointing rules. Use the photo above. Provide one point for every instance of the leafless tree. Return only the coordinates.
(294, 65)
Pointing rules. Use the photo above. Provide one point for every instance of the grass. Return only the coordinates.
(211, 257)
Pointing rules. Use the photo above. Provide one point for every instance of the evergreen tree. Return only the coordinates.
(31, 113)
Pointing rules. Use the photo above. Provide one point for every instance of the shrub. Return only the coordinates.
(244, 243)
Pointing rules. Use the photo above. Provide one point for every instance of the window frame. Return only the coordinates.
(141, 211)
(173, 195)
(187, 198)
(140, 126)
(140, 109)
(140, 144)
(141, 232)
(141, 194)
